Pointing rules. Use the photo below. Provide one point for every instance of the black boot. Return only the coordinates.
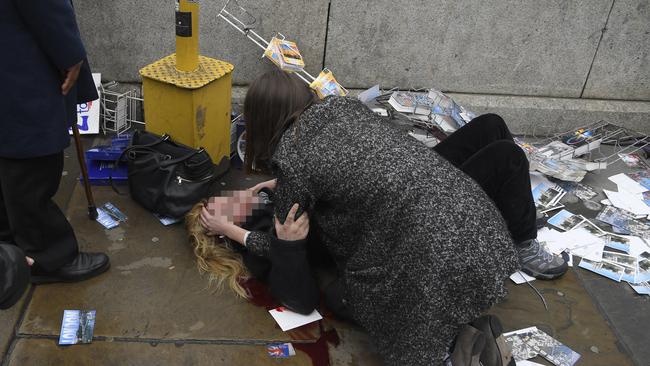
(468, 346)
(496, 352)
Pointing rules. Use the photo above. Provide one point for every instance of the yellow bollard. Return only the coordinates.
(189, 96)
(187, 35)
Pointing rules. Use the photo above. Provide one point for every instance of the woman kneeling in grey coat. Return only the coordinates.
(418, 235)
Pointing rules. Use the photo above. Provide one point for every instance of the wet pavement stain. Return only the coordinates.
(160, 262)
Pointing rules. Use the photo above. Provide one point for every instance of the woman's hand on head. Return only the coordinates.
(270, 184)
(214, 223)
(293, 229)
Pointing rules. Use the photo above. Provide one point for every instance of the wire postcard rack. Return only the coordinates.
(619, 141)
(120, 109)
(232, 12)
(624, 141)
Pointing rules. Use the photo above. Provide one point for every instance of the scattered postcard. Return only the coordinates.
(643, 273)
(528, 363)
(592, 252)
(638, 246)
(551, 209)
(582, 191)
(607, 269)
(166, 220)
(560, 169)
(556, 150)
(288, 319)
(621, 259)
(641, 288)
(114, 212)
(77, 327)
(105, 219)
(520, 349)
(614, 216)
(642, 177)
(620, 231)
(520, 277)
(623, 222)
(369, 94)
(634, 161)
(617, 242)
(565, 220)
(550, 348)
(280, 350)
(544, 195)
(590, 227)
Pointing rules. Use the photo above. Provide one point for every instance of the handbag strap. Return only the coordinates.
(147, 147)
(182, 158)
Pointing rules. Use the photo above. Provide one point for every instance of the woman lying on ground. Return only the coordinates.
(287, 269)
(418, 236)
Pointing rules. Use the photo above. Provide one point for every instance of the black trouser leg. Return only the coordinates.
(501, 169)
(484, 150)
(469, 139)
(35, 223)
(5, 230)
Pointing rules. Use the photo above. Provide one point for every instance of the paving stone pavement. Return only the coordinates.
(153, 307)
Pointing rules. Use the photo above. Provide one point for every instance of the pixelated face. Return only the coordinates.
(237, 206)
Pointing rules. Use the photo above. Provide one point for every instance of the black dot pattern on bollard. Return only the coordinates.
(164, 70)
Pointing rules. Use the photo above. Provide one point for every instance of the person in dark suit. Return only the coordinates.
(43, 75)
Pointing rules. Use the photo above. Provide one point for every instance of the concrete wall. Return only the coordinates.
(513, 47)
(122, 36)
(557, 52)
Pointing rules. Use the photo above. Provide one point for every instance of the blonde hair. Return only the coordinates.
(214, 256)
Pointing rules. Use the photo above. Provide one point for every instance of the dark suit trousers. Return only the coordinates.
(484, 150)
(28, 216)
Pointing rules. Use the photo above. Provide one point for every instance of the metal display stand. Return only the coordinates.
(228, 12)
(620, 140)
(119, 109)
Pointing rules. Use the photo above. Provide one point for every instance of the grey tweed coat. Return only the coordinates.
(420, 247)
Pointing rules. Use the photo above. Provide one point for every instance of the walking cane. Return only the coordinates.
(92, 209)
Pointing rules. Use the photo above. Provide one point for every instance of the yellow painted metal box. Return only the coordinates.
(192, 107)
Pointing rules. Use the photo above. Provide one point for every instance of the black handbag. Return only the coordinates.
(166, 177)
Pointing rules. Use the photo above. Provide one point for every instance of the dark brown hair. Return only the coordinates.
(274, 101)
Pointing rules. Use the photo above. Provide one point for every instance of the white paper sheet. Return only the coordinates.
(627, 184)
(520, 277)
(628, 201)
(528, 363)
(288, 320)
(637, 246)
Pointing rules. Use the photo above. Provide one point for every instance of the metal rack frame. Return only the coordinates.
(624, 141)
(119, 110)
(247, 30)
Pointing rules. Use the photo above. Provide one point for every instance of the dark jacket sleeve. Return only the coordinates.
(291, 280)
(54, 25)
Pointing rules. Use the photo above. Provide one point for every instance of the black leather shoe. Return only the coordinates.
(85, 266)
